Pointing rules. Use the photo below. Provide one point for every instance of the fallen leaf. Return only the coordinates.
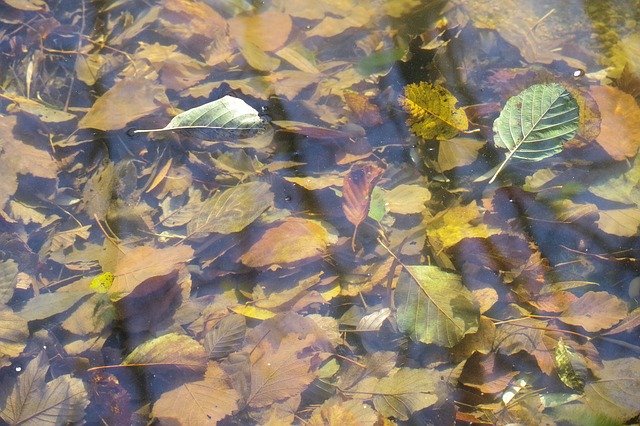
(406, 199)
(336, 412)
(406, 391)
(620, 127)
(628, 324)
(267, 31)
(32, 401)
(8, 273)
(453, 225)
(365, 111)
(37, 109)
(623, 189)
(226, 337)
(128, 100)
(229, 211)
(170, 350)
(458, 152)
(527, 335)
(291, 241)
(314, 183)
(13, 336)
(595, 311)
(46, 305)
(617, 392)
(487, 374)
(203, 402)
(621, 222)
(356, 193)
(433, 306)
(144, 268)
(432, 111)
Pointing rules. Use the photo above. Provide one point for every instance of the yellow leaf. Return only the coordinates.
(102, 283)
(456, 224)
(252, 312)
(432, 111)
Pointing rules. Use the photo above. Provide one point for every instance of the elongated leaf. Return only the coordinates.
(227, 118)
(226, 337)
(571, 367)
(13, 335)
(170, 350)
(534, 124)
(32, 402)
(434, 306)
(432, 112)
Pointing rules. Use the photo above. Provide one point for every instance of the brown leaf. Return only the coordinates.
(277, 374)
(169, 350)
(267, 31)
(630, 323)
(620, 127)
(37, 109)
(487, 374)
(202, 402)
(595, 311)
(13, 336)
(144, 266)
(622, 222)
(356, 191)
(335, 412)
(527, 335)
(293, 240)
(128, 100)
(365, 111)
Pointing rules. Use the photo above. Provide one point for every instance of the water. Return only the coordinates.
(352, 263)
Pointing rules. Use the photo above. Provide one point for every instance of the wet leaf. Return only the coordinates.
(231, 210)
(406, 391)
(203, 402)
(8, 273)
(227, 336)
(144, 268)
(434, 307)
(13, 336)
(527, 335)
(31, 401)
(621, 222)
(365, 111)
(227, 118)
(267, 31)
(595, 311)
(487, 374)
(356, 192)
(170, 350)
(102, 283)
(571, 368)
(617, 392)
(335, 412)
(620, 127)
(406, 199)
(432, 112)
(278, 373)
(457, 223)
(291, 241)
(458, 152)
(128, 100)
(37, 109)
(46, 305)
(630, 322)
(623, 189)
(534, 124)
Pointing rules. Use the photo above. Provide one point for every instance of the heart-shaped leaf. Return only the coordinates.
(227, 118)
(534, 124)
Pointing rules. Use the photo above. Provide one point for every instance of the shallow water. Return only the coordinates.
(438, 224)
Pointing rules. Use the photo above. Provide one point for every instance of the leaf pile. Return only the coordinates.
(332, 221)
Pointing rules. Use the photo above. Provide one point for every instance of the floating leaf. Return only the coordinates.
(534, 124)
(226, 337)
(432, 111)
(434, 306)
(406, 199)
(405, 392)
(227, 118)
(31, 401)
(102, 283)
(203, 402)
(336, 412)
(170, 350)
(231, 210)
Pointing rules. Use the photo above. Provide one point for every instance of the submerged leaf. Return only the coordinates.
(620, 127)
(534, 124)
(434, 306)
(170, 350)
(13, 336)
(405, 392)
(356, 192)
(223, 119)
(31, 401)
(571, 368)
(432, 112)
(226, 337)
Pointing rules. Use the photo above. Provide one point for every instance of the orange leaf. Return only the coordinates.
(267, 31)
(356, 191)
(595, 311)
(365, 111)
(620, 126)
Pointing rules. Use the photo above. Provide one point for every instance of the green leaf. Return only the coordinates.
(434, 306)
(432, 112)
(571, 367)
(407, 391)
(170, 350)
(534, 124)
(32, 402)
(227, 118)
(102, 283)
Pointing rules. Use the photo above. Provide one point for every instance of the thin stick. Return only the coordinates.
(109, 237)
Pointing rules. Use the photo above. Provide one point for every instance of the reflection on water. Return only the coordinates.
(440, 223)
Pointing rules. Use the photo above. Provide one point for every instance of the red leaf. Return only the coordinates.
(356, 191)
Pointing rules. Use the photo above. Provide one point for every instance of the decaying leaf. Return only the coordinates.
(534, 124)
(31, 400)
(620, 127)
(335, 412)
(356, 193)
(202, 402)
(617, 390)
(170, 351)
(595, 311)
(405, 392)
(13, 336)
(432, 111)
(226, 337)
(571, 368)
(222, 119)
(434, 307)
